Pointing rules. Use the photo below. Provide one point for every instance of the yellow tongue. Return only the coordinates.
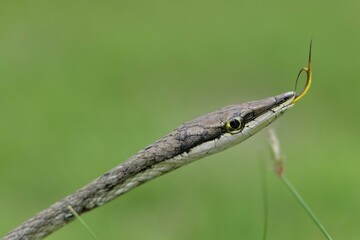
(308, 71)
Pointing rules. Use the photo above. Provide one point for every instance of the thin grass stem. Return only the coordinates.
(278, 162)
(296, 194)
(264, 191)
(88, 229)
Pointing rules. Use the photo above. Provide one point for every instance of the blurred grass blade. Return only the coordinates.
(278, 160)
(83, 223)
(296, 194)
(264, 190)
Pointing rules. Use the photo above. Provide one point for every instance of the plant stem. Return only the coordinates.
(292, 189)
(83, 223)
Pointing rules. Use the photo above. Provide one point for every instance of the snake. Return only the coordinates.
(201, 137)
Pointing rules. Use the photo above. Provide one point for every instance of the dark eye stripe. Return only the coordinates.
(248, 117)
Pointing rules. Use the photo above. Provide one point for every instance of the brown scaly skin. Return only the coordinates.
(103, 189)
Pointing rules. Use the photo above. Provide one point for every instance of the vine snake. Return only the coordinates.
(209, 134)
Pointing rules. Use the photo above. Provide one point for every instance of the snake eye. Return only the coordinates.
(233, 125)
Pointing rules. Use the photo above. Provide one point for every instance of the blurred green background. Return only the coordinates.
(84, 85)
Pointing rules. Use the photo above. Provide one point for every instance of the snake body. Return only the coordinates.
(192, 140)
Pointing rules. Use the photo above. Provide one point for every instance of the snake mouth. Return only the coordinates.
(271, 106)
(285, 99)
(283, 102)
